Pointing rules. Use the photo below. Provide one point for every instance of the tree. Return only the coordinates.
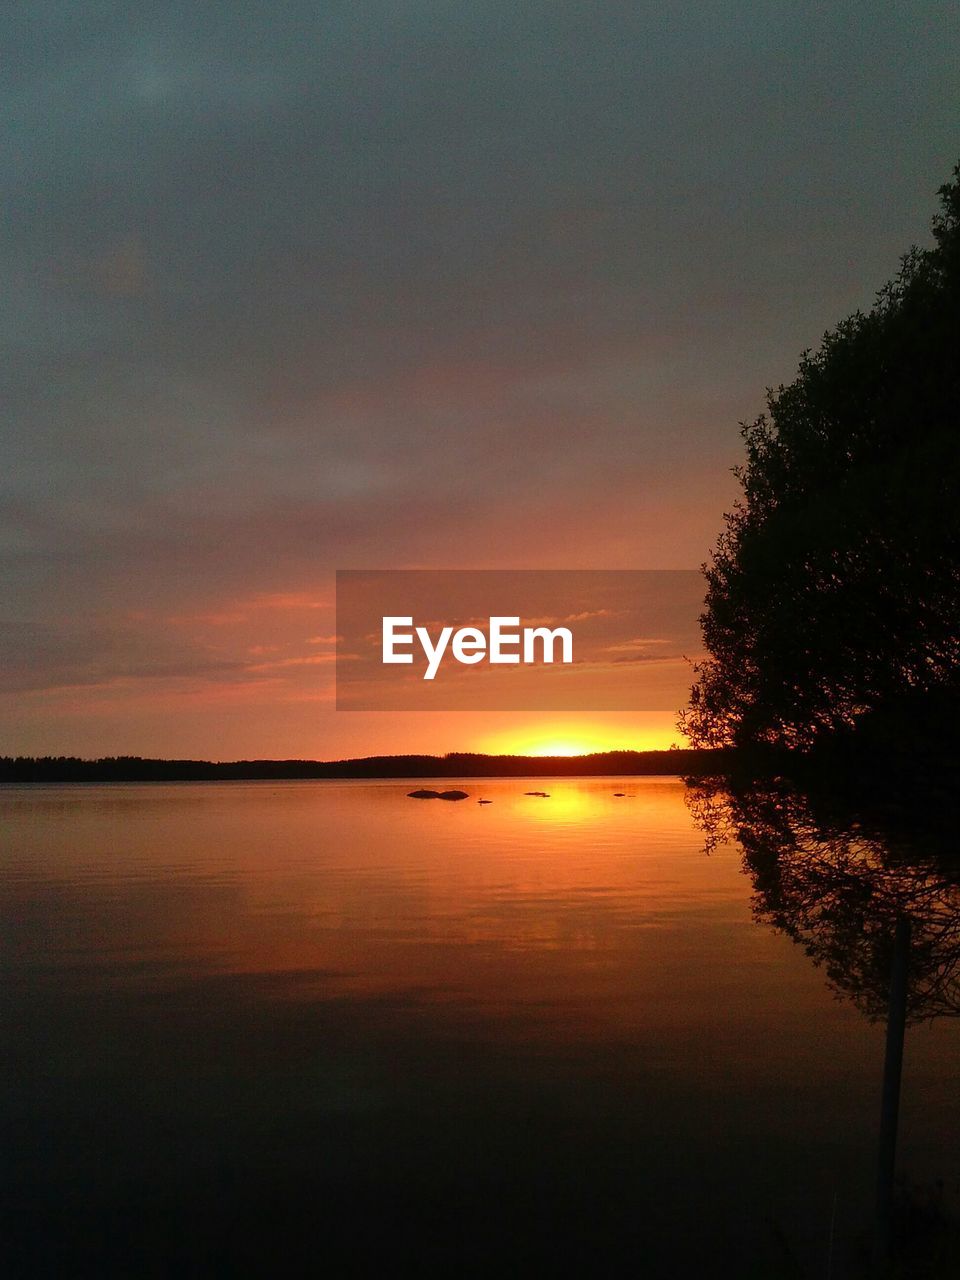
(833, 594)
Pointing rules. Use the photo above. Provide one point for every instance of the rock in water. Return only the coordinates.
(423, 794)
(453, 795)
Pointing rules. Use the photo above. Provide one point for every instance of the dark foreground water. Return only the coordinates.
(288, 1029)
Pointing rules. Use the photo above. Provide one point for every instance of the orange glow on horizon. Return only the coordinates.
(561, 748)
(576, 740)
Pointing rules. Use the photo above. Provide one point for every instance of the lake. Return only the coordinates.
(323, 1028)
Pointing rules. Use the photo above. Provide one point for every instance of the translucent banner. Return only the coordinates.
(516, 639)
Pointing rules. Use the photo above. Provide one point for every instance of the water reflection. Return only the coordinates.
(871, 891)
(281, 1029)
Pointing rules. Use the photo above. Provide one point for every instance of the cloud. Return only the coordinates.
(311, 660)
(640, 644)
(68, 654)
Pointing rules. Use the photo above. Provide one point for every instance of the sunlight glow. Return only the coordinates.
(561, 747)
(576, 736)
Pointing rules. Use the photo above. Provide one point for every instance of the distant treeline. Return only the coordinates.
(457, 764)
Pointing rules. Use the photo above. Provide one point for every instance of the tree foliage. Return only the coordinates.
(833, 594)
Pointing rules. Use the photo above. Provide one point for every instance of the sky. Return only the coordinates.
(293, 288)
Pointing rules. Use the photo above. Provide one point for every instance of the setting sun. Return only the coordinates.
(643, 731)
(562, 747)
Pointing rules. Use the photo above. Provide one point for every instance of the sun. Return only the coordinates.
(654, 731)
(550, 740)
(560, 747)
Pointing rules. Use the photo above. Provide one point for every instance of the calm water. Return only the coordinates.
(303, 1028)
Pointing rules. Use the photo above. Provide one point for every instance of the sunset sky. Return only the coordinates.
(292, 288)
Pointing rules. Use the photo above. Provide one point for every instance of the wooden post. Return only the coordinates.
(890, 1102)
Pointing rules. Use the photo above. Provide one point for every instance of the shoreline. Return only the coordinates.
(669, 763)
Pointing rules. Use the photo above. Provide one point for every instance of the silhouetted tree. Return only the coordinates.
(833, 599)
